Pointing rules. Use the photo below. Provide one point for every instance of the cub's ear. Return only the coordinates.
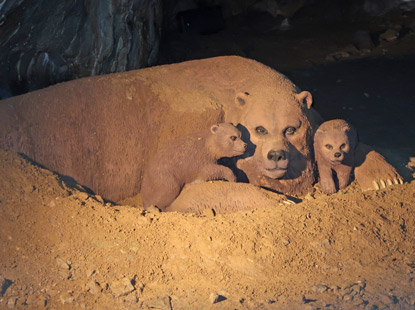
(305, 98)
(214, 129)
(241, 99)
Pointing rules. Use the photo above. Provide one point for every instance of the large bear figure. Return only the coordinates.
(103, 130)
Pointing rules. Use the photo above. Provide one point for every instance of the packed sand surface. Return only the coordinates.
(65, 249)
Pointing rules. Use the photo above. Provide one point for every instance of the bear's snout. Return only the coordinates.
(337, 154)
(245, 146)
(276, 155)
(276, 164)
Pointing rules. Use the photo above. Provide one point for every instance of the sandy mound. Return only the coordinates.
(64, 249)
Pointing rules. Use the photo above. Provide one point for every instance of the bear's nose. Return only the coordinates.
(337, 154)
(276, 155)
(245, 146)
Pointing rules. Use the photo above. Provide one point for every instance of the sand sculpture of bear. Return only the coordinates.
(197, 197)
(335, 143)
(189, 159)
(94, 129)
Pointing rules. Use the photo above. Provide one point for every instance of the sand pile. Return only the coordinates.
(62, 248)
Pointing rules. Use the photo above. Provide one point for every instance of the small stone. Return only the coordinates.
(385, 299)
(208, 212)
(42, 302)
(12, 302)
(99, 199)
(64, 268)
(320, 288)
(32, 299)
(321, 244)
(90, 272)
(309, 196)
(52, 292)
(122, 287)
(66, 298)
(131, 298)
(161, 303)
(81, 195)
(411, 164)
(134, 247)
(93, 287)
(337, 56)
(140, 286)
(222, 293)
(348, 297)
(65, 274)
(153, 209)
(389, 35)
(30, 188)
(357, 301)
(213, 298)
(363, 41)
(63, 264)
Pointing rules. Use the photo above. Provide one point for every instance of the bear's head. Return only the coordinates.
(226, 141)
(334, 140)
(278, 130)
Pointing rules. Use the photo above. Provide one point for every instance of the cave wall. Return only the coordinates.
(44, 42)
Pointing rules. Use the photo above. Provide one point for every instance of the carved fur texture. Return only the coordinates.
(335, 144)
(102, 131)
(189, 159)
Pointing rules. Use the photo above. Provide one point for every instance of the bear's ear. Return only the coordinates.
(214, 129)
(241, 99)
(305, 98)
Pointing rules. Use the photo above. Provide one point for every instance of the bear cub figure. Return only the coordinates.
(335, 142)
(188, 159)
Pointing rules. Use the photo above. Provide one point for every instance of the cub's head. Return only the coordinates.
(227, 140)
(334, 140)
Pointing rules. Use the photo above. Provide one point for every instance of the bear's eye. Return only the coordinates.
(261, 130)
(343, 146)
(233, 138)
(289, 131)
(329, 146)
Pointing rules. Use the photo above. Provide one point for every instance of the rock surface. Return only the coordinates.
(43, 44)
(122, 287)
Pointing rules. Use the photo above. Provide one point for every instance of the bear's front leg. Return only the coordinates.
(372, 171)
(326, 179)
(216, 172)
(343, 175)
(161, 193)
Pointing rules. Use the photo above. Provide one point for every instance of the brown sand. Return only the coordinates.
(64, 249)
